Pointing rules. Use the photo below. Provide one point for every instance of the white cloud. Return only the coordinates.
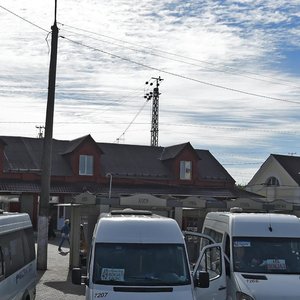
(199, 44)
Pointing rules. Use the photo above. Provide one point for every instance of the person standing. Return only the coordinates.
(51, 232)
(65, 233)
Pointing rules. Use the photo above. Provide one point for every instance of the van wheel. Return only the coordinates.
(26, 296)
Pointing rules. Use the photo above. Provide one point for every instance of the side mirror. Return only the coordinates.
(202, 279)
(77, 277)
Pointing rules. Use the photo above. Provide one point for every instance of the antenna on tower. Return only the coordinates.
(154, 95)
(40, 133)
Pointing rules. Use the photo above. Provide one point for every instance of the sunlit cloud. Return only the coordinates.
(230, 70)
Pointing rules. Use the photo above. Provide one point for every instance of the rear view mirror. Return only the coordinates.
(202, 279)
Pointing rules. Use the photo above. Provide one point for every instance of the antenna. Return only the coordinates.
(155, 96)
(40, 133)
(270, 224)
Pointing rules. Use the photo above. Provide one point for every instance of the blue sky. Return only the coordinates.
(231, 73)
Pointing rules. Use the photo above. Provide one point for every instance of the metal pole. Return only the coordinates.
(110, 184)
(155, 112)
(42, 241)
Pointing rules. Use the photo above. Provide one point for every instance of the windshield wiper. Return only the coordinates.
(101, 281)
(151, 278)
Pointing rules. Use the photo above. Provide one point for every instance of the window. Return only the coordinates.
(28, 245)
(86, 164)
(272, 181)
(12, 247)
(185, 170)
(211, 262)
(217, 236)
(131, 264)
(266, 255)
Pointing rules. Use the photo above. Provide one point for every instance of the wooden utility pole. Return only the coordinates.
(42, 241)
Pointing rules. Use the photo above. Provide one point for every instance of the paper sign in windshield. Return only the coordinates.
(276, 264)
(108, 274)
(241, 244)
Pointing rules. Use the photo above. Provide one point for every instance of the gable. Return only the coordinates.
(79, 143)
(275, 167)
(173, 152)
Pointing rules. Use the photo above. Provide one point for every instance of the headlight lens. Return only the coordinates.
(242, 296)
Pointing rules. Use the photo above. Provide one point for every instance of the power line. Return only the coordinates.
(157, 50)
(140, 110)
(169, 53)
(180, 76)
(164, 124)
(180, 56)
(242, 164)
(18, 16)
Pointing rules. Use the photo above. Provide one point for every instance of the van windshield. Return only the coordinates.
(140, 264)
(266, 255)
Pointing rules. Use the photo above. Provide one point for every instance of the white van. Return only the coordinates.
(138, 255)
(17, 257)
(262, 254)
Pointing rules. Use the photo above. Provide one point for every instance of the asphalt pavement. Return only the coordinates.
(55, 282)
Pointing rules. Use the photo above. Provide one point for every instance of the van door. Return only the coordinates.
(211, 260)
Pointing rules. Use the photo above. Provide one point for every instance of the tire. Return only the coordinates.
(26, 296)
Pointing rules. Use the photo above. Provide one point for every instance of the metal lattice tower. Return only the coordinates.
(155, 111)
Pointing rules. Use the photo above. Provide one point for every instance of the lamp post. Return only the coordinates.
(110, 183)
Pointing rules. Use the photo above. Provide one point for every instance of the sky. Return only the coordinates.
(230, 70)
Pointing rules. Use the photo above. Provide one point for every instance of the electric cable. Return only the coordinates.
(18, 16)
(181, 56)
(137, 114)
(178, 75)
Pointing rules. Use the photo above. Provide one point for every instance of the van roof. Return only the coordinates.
(13, 221)
(137, 228)
(260, 224)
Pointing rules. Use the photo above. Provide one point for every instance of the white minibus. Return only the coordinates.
(17, 257)
(139, 255)
(262, 253)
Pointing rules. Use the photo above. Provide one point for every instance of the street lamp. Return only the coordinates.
(110, 183)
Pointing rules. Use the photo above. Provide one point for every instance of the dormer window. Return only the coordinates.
(185, 170)
(86, 165)
(272, 181)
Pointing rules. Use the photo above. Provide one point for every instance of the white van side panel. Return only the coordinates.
(219, 222)
(16, 238)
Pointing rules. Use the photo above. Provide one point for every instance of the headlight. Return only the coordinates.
(242, 296)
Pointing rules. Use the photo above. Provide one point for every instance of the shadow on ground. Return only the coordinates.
(66, 287)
